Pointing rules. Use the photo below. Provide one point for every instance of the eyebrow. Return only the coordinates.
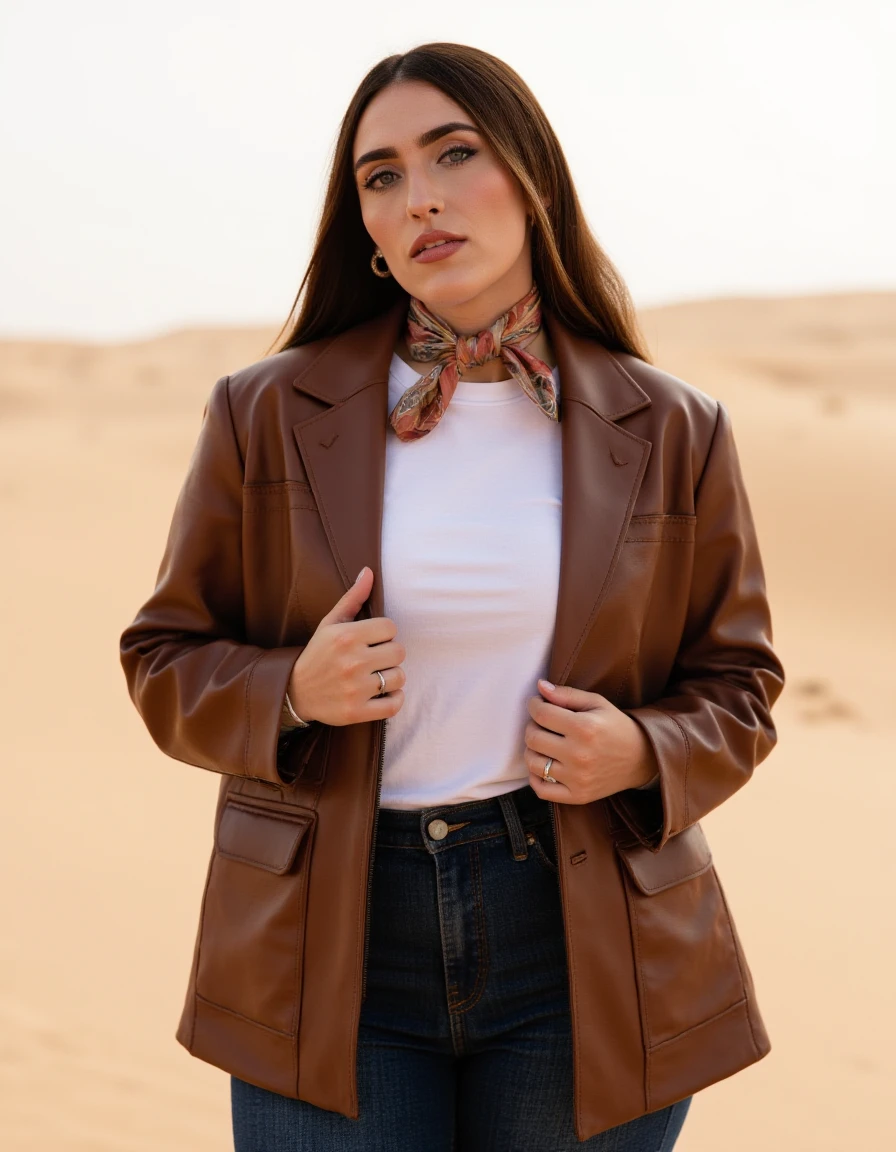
(422, 141)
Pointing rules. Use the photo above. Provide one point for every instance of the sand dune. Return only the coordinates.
(105, 840)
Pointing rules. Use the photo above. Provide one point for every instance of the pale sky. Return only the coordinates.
(163, 164)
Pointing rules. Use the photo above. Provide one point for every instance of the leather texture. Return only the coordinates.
(661, 608)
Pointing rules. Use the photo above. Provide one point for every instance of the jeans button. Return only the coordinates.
(438, 829)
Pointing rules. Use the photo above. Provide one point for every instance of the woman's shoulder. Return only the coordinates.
(262, 393)
(345, 352)
(681, 417)
(669, 393)
(273, 372)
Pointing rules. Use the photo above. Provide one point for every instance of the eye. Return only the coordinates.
(369, 182)
(465, 150)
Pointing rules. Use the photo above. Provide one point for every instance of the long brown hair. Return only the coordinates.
(576, 279)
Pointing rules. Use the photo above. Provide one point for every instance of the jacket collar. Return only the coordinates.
(361, 356)
(343, 449)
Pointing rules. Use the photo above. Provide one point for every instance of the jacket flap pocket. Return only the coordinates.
(681, 858)
(261, 836)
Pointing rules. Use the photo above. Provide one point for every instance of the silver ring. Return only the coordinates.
(382, 684)
(545, 775)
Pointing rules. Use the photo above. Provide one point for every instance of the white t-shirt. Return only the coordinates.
(471, 564)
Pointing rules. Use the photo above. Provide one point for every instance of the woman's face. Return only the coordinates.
(453, 183)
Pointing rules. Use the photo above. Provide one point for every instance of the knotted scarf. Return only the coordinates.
(423, 405)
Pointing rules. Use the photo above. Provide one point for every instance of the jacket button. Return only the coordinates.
(438, 829)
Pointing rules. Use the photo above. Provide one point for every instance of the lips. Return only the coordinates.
(431, 238)
(438, 252)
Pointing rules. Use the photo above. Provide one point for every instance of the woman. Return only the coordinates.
(459, 501)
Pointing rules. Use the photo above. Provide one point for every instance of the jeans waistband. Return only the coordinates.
(445, 826)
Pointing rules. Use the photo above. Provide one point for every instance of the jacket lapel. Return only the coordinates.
(343, 449)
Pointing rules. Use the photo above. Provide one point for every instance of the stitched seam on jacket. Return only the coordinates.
(245, 859)
(658, 540)
(712, 441)
(279, 508)
(236, 439)
(687, 762)
(249, 678)
(652, 517)
(703, 1023)
(687, 769)
(737, 957)
(241, 1016)
(261, 487)
(208, 877)
(640, 975)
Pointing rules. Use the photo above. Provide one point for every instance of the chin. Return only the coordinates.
(447, 291)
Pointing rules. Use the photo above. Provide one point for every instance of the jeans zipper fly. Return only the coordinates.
(376, 813)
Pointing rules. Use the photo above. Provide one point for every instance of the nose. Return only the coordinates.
(424, 197)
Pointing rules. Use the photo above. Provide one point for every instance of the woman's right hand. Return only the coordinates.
(334, 680)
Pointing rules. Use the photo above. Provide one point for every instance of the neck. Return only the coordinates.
(486, 373)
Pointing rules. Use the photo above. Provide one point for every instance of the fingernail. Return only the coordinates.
(361, 573)
(546, 683)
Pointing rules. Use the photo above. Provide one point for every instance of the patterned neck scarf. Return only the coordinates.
(423, 405)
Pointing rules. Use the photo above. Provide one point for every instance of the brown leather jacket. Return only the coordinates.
(662, 609)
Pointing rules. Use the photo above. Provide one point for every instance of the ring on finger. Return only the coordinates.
(546, 772)
(382, 690)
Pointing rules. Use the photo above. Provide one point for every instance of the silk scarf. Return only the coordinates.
(423, 404)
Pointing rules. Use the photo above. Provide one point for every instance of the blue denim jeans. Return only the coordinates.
(464, 1042)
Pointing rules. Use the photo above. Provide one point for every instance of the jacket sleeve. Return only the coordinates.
(206, 696)
(713, 724)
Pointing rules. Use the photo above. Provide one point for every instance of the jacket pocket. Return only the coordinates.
(662, 528)
(277, 496)
(253, 923)
(687, 964)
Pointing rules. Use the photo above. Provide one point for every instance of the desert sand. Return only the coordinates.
(105, 841)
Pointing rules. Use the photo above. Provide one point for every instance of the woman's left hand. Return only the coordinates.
(597, 748)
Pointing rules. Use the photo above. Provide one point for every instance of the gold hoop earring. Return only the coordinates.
(377, 255)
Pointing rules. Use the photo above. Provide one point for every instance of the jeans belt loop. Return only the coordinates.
(514, 826)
